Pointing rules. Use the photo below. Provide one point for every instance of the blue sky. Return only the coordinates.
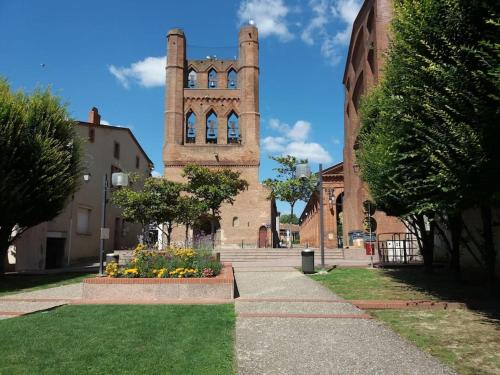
(110, 54)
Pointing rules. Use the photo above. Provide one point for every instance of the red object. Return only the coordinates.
(370, 248)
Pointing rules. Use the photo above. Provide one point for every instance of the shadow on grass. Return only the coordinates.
(441, 283)
(10, 284)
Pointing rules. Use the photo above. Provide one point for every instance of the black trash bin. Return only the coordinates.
(307, 261)
(112, 258)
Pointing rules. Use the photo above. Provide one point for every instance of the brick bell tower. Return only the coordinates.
(212, 119)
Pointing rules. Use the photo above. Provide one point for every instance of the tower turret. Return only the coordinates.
(249, 77)
(174, 93)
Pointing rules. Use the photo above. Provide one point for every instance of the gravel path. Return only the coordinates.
(345, 344)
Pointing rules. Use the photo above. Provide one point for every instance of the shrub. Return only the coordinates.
(175, 262)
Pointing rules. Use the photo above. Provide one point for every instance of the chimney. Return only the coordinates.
(94, 116)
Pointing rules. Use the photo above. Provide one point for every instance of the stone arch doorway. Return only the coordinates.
(262, 236)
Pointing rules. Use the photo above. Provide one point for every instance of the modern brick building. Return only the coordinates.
(333, 194)
(74, 235)
(363, 68)
(212, 119)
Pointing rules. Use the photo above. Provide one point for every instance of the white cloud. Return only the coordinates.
(311, 151)
(339, 13)
(269, 16)
(274, 144)
(156, 174)
(294, 141)
(336, 141)
(104, 122)
(149, 72)
(317, 24)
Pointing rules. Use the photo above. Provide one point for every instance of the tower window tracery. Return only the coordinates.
(212, 79)
(191, 128)
(212, 129)
(233, 131)
(192, 79)
(232, 79)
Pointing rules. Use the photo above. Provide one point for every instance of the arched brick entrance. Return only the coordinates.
(262, 236)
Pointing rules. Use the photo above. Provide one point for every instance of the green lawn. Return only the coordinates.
(466, 340)
(399, 284)
(10, 284)
(124, 339)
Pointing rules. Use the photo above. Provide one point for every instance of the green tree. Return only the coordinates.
(289, 219)
(213, 187)
(429, 130)
(286, 187)
(157, 203)
(190, 210)
(39, 163)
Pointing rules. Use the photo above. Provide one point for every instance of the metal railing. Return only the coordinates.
(399, 248)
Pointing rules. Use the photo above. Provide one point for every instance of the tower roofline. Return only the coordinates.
(175, 31)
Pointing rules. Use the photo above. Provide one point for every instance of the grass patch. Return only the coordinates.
(125, 339)
(399, 284)
(466, 340)
(10, 284)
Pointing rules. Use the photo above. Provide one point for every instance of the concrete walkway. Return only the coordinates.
(289, 324)
(28, 302)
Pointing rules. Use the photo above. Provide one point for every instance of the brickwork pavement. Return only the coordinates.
(289, 324)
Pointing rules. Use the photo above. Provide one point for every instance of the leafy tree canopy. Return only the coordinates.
(40, 160)
(287, 218)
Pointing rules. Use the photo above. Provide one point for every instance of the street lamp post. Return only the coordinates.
(117, 179)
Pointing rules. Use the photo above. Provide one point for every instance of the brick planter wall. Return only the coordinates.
(154, 289)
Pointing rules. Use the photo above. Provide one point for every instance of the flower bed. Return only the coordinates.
(171, 263)
(175, 274)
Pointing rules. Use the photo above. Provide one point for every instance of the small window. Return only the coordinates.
(232, 79)
(83, 220)
(116, 150)
(236, 222)
(192, 79)
(137, 162)
(212, 128)
(212, 79)
(191, 128)
(233, 132)
(91, 135)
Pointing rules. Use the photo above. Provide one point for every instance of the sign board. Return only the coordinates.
(369, 207)
(104, 233)
(368, 238)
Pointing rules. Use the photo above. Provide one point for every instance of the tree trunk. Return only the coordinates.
(290, 225)
(427, 242)
(456, 233)
(489, 246)
(5, 232)
(212, 229)
(187, 235)
(169, 233)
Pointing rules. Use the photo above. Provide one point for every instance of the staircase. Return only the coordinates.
(285, 257)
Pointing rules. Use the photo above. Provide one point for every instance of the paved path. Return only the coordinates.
(27, 302)
(289, 324)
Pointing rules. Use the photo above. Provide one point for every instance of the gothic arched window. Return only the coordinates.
(192, 79)
(190, 127)
(212, 79)
(233, 131)
(212, 127)
(232, 79)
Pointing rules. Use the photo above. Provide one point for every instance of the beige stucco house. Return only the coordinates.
(73, 237)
